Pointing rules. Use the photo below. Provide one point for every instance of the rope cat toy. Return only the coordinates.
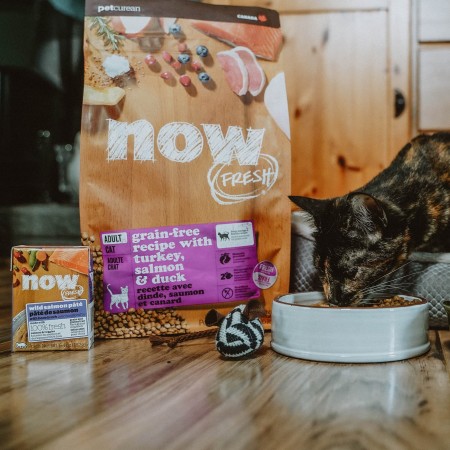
(240, 332)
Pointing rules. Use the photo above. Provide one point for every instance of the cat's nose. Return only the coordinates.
(341, 298)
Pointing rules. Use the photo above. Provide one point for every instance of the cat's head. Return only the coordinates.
(359, 239)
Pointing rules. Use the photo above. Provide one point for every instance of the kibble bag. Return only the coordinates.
(185, 163)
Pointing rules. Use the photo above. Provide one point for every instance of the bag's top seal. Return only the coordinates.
(184, 9)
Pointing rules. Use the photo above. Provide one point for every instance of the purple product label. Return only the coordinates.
(179, 265)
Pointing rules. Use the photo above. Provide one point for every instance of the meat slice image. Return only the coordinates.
(264, 42)
(235, 71)
(256, 76)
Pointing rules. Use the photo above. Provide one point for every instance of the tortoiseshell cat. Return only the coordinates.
(365, 235)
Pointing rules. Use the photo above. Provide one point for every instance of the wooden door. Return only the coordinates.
(336, 75)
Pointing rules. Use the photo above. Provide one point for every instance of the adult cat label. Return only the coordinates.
(179, 266)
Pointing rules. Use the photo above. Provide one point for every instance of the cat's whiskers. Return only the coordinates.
(393, 282)
(387, 285)
(387, 288)
(402, 266)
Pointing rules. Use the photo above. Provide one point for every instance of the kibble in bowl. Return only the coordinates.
(395, 301)
(390, 302)
(304, 326)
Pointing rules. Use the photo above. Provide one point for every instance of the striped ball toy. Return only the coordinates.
(240, 332)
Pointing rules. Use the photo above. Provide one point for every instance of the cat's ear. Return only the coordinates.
(368, 208)
(315, 207)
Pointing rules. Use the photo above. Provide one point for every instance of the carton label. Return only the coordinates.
(57, 320)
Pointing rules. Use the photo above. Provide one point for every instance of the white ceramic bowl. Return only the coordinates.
(347, 334)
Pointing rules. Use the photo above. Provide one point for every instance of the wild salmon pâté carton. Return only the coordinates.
(52, 302)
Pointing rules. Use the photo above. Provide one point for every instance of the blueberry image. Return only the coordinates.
(202, 51)
(184, 58)
(204, 77)
(174, 28)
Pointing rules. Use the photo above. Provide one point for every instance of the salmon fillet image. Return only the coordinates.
(265, 42)
(73, 258)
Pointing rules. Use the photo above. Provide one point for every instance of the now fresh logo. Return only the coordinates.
(240, 170)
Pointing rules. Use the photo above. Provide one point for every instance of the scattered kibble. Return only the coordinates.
(202, 51)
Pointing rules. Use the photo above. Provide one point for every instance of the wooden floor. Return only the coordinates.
(125, 394)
